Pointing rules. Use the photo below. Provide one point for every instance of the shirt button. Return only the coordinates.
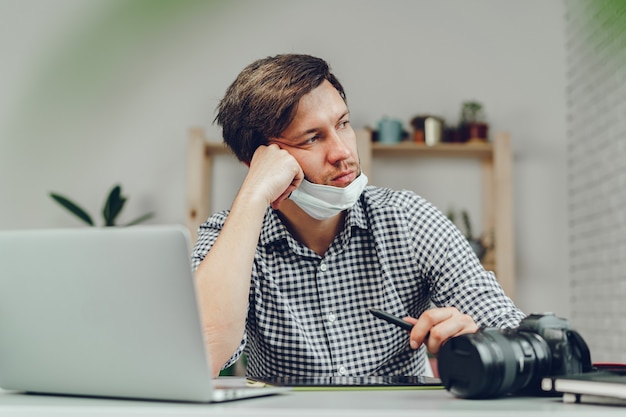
(342, 370)
(323, 267)
(332, 317)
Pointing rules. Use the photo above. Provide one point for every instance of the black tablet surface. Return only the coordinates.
(338, 382)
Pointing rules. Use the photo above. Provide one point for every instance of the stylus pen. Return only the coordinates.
(392, 319)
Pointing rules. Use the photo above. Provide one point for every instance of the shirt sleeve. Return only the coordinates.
(457, 278)
(207, 235)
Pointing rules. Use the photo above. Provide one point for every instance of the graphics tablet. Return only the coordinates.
(353, 382)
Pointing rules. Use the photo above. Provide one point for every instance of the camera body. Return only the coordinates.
(495, 362)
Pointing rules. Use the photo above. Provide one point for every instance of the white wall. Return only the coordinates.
(92, 94)
(596, 97)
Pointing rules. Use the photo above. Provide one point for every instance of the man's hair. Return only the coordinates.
(263, 100)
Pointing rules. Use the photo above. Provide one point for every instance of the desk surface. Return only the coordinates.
(437, 403)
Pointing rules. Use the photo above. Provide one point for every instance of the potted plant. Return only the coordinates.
(473, 125)
(112, 208)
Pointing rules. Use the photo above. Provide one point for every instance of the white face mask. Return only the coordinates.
(324, 201)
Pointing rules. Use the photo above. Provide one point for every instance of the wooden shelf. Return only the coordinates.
(215, 148)
(462, 150)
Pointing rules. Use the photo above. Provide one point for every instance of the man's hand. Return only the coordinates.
(273, 172)
(437, 325)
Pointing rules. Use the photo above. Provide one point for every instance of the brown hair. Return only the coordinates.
(263, 100)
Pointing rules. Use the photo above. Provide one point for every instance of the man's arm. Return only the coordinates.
(466, 295)
(223, 277)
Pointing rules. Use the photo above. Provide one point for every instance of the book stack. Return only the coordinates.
(606, 385)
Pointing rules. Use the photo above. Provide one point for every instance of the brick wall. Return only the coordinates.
(596, 153)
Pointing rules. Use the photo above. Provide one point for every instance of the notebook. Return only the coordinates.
(601, 386)
(107, 312)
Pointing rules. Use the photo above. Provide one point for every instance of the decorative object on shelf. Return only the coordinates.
(389, 131)
(452, 134)
(112, 208)
(427, 129)
(473, 126)
(478, 245)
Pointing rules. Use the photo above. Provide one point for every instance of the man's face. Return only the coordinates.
(321, 138)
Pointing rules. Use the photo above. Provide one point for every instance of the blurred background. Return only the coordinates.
(99, 92)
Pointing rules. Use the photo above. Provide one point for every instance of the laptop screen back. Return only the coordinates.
(107, 312)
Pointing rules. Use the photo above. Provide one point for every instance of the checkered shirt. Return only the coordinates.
(308, 314)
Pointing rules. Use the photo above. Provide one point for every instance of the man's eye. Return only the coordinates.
(344, 123)
(312, 139)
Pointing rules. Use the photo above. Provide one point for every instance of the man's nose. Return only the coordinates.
(338, 149)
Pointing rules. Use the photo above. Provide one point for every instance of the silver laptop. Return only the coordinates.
(105, 312)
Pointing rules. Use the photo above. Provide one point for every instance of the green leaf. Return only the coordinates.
(141, 219)
(73, 208)
(468, 225)
(113, 206)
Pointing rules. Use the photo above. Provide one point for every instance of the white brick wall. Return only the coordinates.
(596, 151)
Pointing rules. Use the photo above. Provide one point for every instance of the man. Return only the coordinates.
(290, 272)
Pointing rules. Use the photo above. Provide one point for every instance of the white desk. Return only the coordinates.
(413, 403)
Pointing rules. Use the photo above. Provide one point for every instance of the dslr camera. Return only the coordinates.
(495, 362)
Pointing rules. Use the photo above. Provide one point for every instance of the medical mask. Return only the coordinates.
(324, 201)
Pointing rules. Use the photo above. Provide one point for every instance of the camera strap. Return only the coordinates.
(583, 350)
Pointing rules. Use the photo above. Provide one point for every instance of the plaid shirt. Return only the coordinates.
(308, 314)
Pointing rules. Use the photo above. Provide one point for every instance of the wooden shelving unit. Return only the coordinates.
(497, 191)
(200, 153)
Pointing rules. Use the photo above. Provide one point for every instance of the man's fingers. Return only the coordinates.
(424, 326)
(437, 325)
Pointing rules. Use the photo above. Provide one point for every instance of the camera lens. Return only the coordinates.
(493, 362)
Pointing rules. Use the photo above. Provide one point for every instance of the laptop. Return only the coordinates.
(107, 312)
